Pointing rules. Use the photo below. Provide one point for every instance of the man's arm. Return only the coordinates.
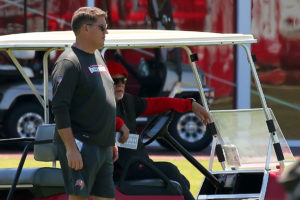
(160, 105)
(64, 80)
(72, 151)
(201, 112)
(115, 153)
(120, 126)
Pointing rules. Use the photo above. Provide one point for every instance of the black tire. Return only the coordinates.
(23, 120)
(189, 131)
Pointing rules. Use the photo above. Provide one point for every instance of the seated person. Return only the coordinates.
(130, 107)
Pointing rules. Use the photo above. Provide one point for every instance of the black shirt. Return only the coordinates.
(129, 108)
(83, 97)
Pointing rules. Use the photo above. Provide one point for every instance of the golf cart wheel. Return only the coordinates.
(189, 131)
(23, 121)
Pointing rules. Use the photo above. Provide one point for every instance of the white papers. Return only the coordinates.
(79, 144)
(131, 143)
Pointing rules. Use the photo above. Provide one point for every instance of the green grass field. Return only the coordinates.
(192, 174)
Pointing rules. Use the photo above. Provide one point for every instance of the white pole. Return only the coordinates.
(243, 75)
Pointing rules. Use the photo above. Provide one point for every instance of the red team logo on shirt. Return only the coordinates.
(80, 183)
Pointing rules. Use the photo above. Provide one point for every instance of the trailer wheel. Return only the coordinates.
(189, 131)
(23, 120)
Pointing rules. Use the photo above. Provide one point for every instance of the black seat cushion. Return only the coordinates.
(42, 182)
(150, 187)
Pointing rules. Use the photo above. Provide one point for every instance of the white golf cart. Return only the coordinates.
(21, 113)
(242, 139)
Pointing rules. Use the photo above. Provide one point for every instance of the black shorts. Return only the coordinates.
(96, 177)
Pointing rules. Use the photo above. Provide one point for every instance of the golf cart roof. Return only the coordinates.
(122, 39)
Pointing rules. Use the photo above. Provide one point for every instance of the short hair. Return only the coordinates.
(85, 15)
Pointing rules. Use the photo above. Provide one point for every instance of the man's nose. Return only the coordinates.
(120, 84)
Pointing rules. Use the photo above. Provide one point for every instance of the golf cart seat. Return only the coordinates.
(48, 181)
(161, 185)
(37, 182)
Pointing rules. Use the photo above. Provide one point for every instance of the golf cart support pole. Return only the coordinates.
(269, 121)
(203, 100)
(46, 89)
(44, 102)
(193, 161)
(20, 167)
(28, 81)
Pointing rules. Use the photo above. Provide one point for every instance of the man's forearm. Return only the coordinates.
(72, 152)
(158, 105)
(67, 137)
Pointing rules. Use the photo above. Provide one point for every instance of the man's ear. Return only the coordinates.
(84, 28)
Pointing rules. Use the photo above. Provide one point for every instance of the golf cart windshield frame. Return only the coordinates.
(131, 39)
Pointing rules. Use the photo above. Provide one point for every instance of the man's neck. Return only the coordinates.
(84, 47)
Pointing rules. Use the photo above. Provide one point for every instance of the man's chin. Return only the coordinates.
(100, 45)
(119, 96)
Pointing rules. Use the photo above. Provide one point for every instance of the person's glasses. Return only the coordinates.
(117, 80)
(102, 27)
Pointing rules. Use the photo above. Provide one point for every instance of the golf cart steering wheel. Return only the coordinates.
(157, 127)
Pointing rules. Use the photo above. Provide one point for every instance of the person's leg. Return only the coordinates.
(172, 172)
(104, 187)
(75, 181)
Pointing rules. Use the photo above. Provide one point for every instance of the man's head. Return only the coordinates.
(90, 23)
(119, 75)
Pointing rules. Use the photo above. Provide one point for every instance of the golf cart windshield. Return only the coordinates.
(246, 137)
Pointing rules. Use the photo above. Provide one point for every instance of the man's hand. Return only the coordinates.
(201, 113)
(74, 159)
(124, 134)
(73, 154)
(115, 153)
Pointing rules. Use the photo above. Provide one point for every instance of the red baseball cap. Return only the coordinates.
(115, 68)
